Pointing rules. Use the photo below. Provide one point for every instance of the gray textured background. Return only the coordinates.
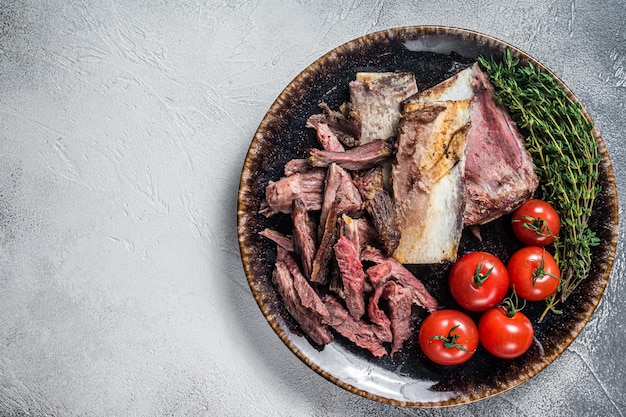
(123, 129)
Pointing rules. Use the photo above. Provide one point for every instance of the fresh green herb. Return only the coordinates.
(560, 139)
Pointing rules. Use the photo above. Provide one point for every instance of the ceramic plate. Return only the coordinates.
(407, 379)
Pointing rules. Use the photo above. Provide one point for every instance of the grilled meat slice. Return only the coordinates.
(335, 285)
(306, 294)
(349, 227)
(282, 240)
(327, 138)
(325, 251)
(379, 273)
(380, 207)
(357, 331)
(354, 159)
(382, 323)
(304, 236)
(352, 275)
(359, 230)
(306, 186)
(382, 210)
(428, 180)
(375, 102)
(297, 166)
(403, 276)
(344, 129)
(310, 321)
(399, 301)
(339, 186)
(499, 170)
(395, 325)
(370, 182)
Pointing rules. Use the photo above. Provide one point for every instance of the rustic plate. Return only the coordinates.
(408, 379)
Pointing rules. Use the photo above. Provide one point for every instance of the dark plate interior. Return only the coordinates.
(407, 379)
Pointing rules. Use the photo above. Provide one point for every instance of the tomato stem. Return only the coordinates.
(479, 276)
(510, 305)
(449, 341)
(540, 271)
(537, 225)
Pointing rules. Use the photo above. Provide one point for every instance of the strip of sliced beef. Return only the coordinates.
(352, 275)
(325, 251)
(349, 198)
(354, 159)
(304, 235)
(335, 284)
(369, 182)
(357, 331)
(334, 177)
(359, 230)
(339, 187)
(382, 323)
(344, 129)
(306, 294)
(379, 274)
(306, 186)
(297, 166)
(349, 228)
(375, 102)
(310, 322)
(403, 276)
(282, 240)
(382, 210)
(399, 300)
(395, 325)
(327, 138)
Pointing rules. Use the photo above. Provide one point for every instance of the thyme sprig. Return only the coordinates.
(560, 139)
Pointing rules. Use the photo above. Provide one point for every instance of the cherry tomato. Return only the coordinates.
(448, 337)
(505, 335)
(536, 223)
(534, 273)
(478, 281)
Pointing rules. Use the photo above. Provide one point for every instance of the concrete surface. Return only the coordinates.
(123, 129)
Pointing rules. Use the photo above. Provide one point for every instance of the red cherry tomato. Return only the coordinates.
(504, 335)
(478, 281)
(536, 223)
(534, 273)
(448, 337)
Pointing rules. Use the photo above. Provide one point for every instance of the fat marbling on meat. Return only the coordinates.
(428, 180)
(499, 170)
(494, 173)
